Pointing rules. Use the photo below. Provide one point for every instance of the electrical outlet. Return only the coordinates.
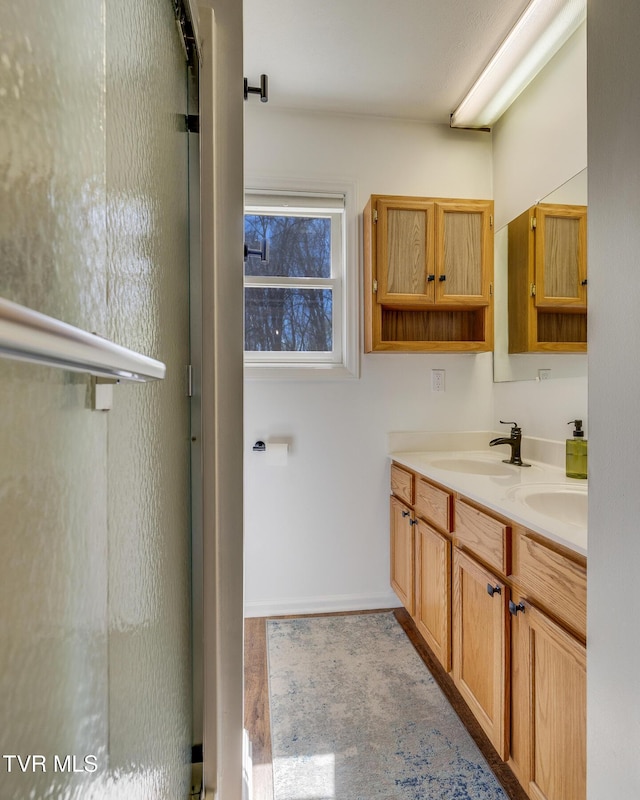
(437, 380)
(544, 374)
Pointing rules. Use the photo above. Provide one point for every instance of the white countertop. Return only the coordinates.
(492, 491)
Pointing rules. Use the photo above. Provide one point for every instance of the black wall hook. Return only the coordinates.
(262, 90)
(263, 252)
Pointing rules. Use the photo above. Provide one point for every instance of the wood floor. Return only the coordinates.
(257, 722)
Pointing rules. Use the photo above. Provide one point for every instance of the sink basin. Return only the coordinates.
(563, 502)
(474, 466)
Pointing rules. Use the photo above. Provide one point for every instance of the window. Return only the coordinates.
(296, 289)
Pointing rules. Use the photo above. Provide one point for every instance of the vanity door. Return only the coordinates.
(557, 713)
(402, 553)
(480, 645)
(433, 591)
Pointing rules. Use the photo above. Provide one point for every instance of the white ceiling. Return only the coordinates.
(412, 59)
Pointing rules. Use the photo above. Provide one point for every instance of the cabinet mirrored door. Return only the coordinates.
(561, 242)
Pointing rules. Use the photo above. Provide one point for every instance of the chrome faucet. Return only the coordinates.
(514, 441)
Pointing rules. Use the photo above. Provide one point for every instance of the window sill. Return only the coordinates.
(299, 372)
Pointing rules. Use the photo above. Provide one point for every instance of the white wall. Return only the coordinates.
(614, 387)
(316, 531)
(539, 144)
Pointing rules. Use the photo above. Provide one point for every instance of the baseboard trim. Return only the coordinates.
(320, 605)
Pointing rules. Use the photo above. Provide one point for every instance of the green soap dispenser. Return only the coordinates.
(577, 452)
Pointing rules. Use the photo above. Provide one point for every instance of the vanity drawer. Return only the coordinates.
(486, 537)
(433, 504)
(552, 581)
(402, 484)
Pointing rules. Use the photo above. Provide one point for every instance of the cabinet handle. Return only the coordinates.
(413, 522)
(513, 608)
(493, 590)
(584, 282)
(405, 513)
(430, 278)
(442, 278)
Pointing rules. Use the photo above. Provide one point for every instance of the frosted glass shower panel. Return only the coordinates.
(53, 482)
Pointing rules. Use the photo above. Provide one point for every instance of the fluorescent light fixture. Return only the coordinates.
(543, 28)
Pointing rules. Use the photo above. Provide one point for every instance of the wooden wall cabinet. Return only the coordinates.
(548, 280)
(428, 274)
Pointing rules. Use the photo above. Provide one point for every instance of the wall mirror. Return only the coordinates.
(527, 366)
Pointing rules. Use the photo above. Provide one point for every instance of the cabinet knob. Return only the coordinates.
(405, 513)
(493, 590)
(513, 608)
(430, 278)
(413, 522)
(442, 277)
(584, 282)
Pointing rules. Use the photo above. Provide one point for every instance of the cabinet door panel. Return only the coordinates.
(433, 591)
(558, 711)
(402, 484)
(464, 252)
(405, 252)
(433, 504)
(554, 582)
(561, 241)
(480, 641)
(486, 537)
(402, 554)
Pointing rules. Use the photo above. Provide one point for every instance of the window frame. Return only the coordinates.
(311, 199)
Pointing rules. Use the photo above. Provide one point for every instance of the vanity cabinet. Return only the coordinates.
(504, 610)
(421, 556)
(428, 274)
(548, 279)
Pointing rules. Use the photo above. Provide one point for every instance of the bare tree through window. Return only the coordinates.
(289, 318)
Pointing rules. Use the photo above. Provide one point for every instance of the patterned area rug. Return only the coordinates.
(356, 715)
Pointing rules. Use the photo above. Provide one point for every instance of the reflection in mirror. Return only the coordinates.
(531, 366)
